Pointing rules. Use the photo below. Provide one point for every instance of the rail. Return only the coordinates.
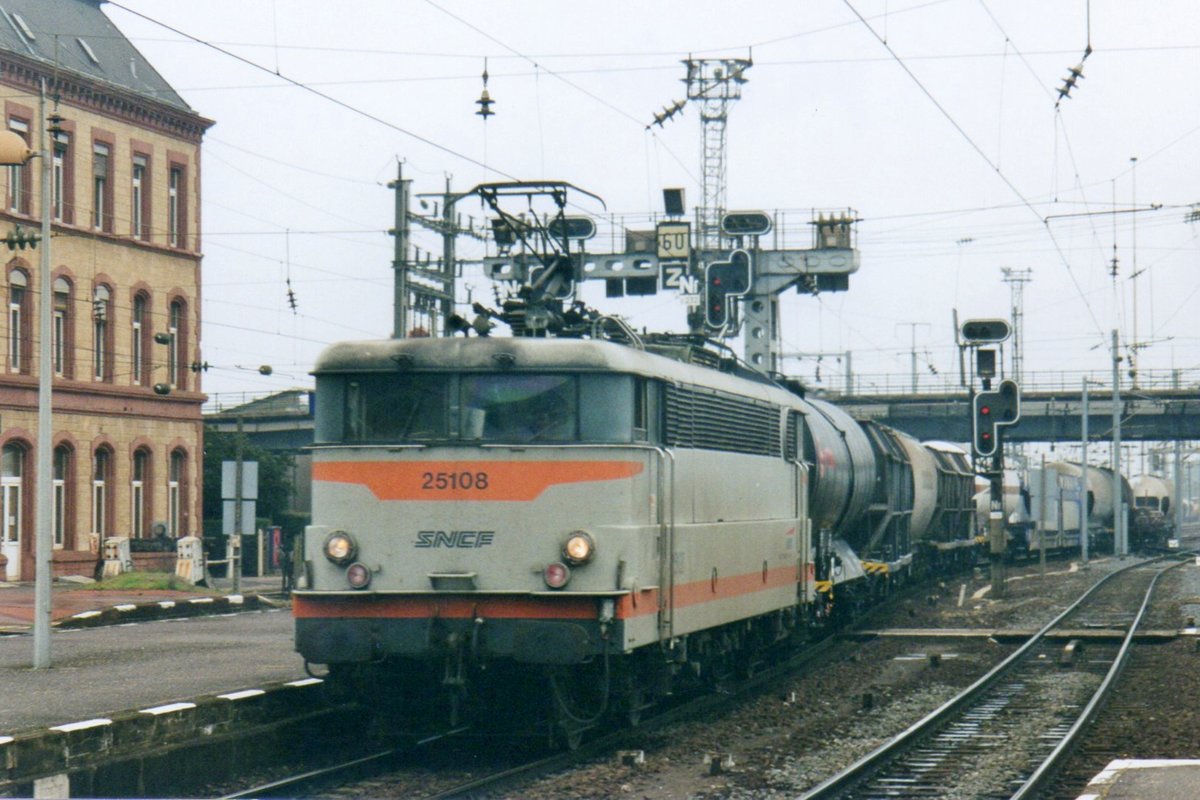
(1052, 762)
(843, 784)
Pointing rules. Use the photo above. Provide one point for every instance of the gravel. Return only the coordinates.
(781, 746)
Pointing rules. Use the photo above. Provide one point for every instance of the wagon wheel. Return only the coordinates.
(577, 703)
(572, 736)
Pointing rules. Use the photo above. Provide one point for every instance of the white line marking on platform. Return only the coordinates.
(242, 695)
(201, 600)
(167, 709)
(86, 615)
(126, 607)
(304, 682)
(166, 603)
(6, 739)
(82, 726)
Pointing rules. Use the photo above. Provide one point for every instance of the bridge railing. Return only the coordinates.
(868, 384)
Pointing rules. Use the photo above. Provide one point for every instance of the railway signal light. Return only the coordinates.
(724, 280)
(993, 410)
(745, 223)
(573, 228)
(985, 362)
(986, 330)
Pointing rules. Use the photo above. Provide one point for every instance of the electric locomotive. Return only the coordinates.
(574, 527)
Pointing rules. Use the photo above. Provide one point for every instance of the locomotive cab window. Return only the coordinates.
(519, 408)
(385, 408)
(493, 408)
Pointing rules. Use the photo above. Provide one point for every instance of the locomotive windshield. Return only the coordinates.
(519, 408)
(380, 408)
(489, 408)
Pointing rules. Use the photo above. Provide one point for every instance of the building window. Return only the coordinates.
(58, 177)
(12, 469)
(175, 216)
(101, 346)
(175, 480)
(137, 494)
(139, 203)
(18, 174)
(139, 341)
(62, 468)
(101, 188)
(61, 342)
(101, 468)
(175, 346)
(18, 320)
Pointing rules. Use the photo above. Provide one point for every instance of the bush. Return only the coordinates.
(144, 580)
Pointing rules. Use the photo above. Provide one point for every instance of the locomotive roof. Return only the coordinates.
(489, 354)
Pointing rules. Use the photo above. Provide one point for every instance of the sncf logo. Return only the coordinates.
(460, 539)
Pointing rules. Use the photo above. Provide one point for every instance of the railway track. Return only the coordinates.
(404, 771)
(1007, 732)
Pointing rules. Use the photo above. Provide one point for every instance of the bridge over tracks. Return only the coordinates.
(1046, 415)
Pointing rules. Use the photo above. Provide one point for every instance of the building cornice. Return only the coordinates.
(102, 98)
(100, 399)
(31, 222)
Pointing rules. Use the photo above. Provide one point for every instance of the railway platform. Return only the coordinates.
(149, 648)
(1138, 779)
(134, 677)
(70, 599)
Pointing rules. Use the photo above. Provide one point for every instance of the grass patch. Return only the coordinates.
(144, 580)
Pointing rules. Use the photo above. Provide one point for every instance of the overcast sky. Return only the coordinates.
(934, 120)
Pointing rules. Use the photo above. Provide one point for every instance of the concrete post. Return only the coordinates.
(1084, 533)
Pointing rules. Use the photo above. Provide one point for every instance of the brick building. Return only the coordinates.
(125, 288)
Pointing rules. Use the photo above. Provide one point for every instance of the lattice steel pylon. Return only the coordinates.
(1016, 279)
(714, 83)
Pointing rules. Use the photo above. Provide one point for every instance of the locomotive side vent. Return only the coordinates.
(718, 421)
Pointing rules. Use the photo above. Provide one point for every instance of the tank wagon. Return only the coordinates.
(574, 527)
(1059, 514)
(1153, 523)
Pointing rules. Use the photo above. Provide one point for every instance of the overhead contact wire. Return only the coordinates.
(979, 151)
(327, 97)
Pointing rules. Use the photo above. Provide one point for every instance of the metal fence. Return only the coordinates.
(1059, 381)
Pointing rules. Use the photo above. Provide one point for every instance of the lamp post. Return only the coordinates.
(15, 152)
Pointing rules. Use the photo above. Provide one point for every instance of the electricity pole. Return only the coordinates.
(400, 259)
(912, 326)
(1016, 279)
(714, 83)
(1120, 546)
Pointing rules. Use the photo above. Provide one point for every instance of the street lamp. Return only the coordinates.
(15, 152)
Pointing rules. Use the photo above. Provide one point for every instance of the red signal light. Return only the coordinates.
(985, 410)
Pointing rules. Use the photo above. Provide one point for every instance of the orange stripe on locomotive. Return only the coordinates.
(505, 480)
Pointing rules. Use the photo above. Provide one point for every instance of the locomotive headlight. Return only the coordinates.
(556, 575)
(340, 547)
(579, 548)
(359, 575)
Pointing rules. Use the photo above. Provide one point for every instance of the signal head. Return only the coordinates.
(986, 330)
